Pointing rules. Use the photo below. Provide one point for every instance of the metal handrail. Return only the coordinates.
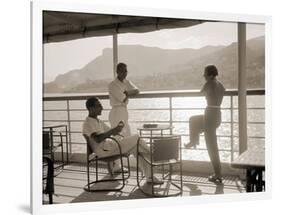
(150, 94)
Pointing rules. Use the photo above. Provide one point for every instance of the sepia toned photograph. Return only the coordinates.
(140, 107)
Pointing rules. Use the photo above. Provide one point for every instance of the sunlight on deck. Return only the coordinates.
(69, 185)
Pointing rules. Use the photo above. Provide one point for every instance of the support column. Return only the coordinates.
(115, 54)
(242, 87)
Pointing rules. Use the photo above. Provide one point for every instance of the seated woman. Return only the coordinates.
(210, 121)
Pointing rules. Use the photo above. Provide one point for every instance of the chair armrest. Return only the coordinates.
(120, 135)
(119, 154)
(118, 144)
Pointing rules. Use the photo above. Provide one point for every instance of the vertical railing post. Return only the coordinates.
(52, 143)
(69, 126)
(115, 53)
(67, 142)
(231, 127)
(171, 111)
(242, 87)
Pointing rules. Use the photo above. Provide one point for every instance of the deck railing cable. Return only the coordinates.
(162, 94)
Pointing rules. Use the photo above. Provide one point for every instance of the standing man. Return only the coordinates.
(120, 90)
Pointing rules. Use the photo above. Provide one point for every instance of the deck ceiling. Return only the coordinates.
(64, 26)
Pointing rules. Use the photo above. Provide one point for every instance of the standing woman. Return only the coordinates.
(208, 123)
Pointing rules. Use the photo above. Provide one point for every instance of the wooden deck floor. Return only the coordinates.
(69, 185)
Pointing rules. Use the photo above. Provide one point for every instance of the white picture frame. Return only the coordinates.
(37, 8)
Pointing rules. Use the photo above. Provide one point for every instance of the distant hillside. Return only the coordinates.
(155, 69)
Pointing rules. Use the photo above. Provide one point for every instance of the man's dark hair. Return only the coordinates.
(91, 102)
(120, 66)
(211, 70)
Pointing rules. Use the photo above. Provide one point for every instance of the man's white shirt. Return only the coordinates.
(116, 91)
(92, 125)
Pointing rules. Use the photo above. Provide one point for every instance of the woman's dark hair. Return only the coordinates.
(211, 70)
(91, 102)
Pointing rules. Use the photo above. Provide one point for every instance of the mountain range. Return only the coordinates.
(152, 68)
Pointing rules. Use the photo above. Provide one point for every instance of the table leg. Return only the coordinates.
(259, 181)
(249, 184)
(170, 171)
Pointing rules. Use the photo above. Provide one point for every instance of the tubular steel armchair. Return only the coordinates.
(164, 151)
(93, 158)
(48, 176)
(55, 137)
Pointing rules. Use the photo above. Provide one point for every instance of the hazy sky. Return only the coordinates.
(62, 57)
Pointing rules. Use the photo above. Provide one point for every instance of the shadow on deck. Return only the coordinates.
(70, 182)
